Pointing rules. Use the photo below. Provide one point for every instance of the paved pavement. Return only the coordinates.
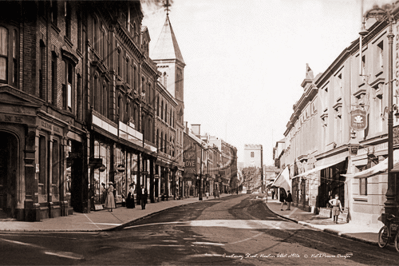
(106, 220)
(95, 220)
(349, 230)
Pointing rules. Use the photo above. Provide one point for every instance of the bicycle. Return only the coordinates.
(389, 232)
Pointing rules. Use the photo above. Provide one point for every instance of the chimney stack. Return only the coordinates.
(196, 129)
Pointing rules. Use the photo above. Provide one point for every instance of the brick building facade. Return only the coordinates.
(77, 91)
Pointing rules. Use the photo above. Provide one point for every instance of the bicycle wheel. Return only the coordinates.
(383, 237)
(396, 241)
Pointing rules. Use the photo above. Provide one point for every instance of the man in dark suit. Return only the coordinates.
(143, 197)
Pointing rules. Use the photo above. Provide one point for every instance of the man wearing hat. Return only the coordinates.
(288, 199)
(143, 197)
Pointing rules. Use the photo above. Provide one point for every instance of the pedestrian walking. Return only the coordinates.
(130, 197)
(110, 200)
(273, 194)
(289, 199)
(143, 198)
(282, 199)
(336, 207)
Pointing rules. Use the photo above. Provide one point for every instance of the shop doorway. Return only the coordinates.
(8, 170)
(332, 183)
(77, 184)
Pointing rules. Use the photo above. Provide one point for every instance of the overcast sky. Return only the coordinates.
(246, 60)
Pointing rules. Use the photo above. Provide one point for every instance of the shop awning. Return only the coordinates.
(376, 169)
(321, 167)
(283, 180)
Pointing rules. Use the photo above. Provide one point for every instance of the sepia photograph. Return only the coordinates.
(199, 132)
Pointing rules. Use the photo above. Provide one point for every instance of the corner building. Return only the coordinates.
(170, 111)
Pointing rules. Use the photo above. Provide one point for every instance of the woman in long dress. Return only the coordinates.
(110, 200)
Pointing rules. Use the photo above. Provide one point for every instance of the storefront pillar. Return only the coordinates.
(139, 163)
(152, 198)
(31, 204)
(167, 183)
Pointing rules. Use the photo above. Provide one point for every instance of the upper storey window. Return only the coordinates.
(380, 54)
(3, 54)
(54, 12)
(68, 20)
(8, 56)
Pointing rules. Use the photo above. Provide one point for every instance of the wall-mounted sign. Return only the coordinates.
(358, 119)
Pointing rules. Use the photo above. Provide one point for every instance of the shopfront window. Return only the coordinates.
(101, 179)
(42, 188)
(132, 168)
(120, 175)
(56, 171)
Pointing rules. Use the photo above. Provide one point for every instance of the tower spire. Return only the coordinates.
(167, 5)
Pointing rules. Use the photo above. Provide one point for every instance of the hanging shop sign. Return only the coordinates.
(102, 168)
(358, 119)
(120, 168)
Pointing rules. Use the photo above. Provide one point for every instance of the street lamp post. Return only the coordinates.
(388, 15)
